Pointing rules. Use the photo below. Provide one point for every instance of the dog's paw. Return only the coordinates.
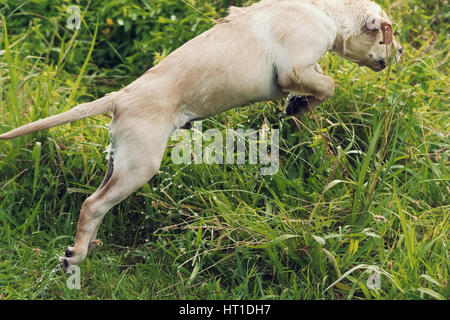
(297, 105)
(64, 264)
(70, 258)
(64, 261)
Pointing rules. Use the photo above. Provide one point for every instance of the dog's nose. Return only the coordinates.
(382, 64)
(400, 50)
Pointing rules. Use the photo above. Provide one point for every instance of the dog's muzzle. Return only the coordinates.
(378, 65)
(381, 64)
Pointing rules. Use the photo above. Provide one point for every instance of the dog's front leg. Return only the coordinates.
(308, 90)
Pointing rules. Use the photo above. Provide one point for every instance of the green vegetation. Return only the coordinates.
(363, 182)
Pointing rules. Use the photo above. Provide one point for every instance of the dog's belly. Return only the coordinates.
(240, 92)
(209, 93)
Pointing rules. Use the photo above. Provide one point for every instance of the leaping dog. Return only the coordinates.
(258, 53)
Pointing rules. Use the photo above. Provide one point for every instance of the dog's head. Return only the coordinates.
(373, 43)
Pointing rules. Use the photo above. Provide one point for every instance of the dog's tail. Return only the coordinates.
(85, 110)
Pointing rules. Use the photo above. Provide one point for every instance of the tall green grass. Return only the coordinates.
(362, 187)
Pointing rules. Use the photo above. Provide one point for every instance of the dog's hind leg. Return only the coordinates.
(138, 151)
(108, 175)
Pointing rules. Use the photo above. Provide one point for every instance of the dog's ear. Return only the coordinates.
(378, 23)
(388, 33)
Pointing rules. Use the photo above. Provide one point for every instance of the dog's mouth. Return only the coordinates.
(378, 65)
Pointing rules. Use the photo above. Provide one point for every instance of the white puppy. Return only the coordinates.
(262, 52)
